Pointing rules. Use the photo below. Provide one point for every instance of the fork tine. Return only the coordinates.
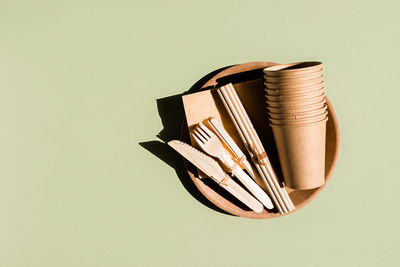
(199, 139)
(202, 133)
(205, 128)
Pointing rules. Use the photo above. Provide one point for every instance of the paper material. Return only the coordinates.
(203, 105)
(302, 154)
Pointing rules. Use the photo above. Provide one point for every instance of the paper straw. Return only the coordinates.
(242, 134)
(260, 148)
(245, 128)
(233, 114)
(267, 168)
(252, 138)
(246, 136)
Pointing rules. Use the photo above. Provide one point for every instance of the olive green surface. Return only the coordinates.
(79, 82)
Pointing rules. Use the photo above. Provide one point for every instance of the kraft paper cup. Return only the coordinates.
(301, 151)
(294, 97)
(297, 115)
(299, 68)
(295, 104)
(310, 89)
(294, 84)
(294, 78)
(290, 110)
(299, 121)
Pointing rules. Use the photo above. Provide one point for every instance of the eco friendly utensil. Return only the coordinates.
(260, 154)
(255, 148)
(210, 143)
(244, 135)
(223, 135)
(211, 167)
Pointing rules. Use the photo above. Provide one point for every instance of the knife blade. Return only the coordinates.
(212, 169)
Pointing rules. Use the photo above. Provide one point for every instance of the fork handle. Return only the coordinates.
(249, 183)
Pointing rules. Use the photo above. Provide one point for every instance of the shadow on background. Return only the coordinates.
(172, 114)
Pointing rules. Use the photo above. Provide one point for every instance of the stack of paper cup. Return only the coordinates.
(297, 111)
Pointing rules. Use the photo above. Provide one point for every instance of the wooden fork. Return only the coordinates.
(210, 143)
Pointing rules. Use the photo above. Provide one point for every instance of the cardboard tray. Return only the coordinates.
(247, 77)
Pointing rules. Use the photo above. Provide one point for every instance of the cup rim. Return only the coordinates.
(325, 107)
(294, 81)
(300, 120)
(298, 77)
(300, 96)
(311, 88)
(293, 87)
(301, 83)
(294, 92)
(300, 125)
(294, 75)
(293, 110)
(292, 102)
(293, 67)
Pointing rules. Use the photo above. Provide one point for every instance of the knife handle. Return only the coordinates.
(237, 191)
(253, 187)
(249, 183)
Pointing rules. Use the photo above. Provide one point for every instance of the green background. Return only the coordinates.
(78, 87)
